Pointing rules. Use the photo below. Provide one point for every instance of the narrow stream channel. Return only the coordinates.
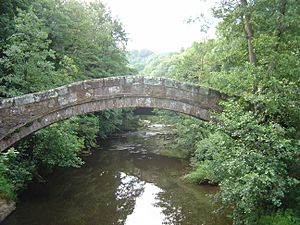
(123, 183)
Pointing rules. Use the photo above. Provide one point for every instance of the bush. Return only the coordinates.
(58, 145)
(287, 217)
(203, 174)
(6, 189)
(14, 175)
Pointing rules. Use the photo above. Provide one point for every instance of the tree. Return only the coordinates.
(27, 65)
(258, 147)
(88, 35)
(8, 10)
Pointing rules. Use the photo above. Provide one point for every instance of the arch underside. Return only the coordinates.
(109, 103)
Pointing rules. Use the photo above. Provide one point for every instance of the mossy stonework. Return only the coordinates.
(23, 115)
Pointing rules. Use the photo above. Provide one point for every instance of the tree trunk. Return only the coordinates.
(249, 36)
(249, 33)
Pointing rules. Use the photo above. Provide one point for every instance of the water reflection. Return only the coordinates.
(129, 189)
(146, 211)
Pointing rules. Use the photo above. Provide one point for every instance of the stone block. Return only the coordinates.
(65, 100)
(24, 99)
(5, 103)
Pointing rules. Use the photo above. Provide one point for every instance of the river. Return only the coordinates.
(124, 182)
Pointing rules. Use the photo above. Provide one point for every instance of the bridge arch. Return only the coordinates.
(23, 115)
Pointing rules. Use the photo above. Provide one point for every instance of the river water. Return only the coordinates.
(124, 183)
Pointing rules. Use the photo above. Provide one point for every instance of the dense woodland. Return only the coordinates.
(252, 153)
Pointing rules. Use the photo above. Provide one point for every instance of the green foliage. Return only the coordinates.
(202, 174)
(260, 143)
(87, 128)
(287, 217)
(139, 59)
(151, 64)
(196, 63)
(56, 145)
(161, 65)
(251, 163)
(27, 63)
(129, 122)
(61, 152)
(88, 35)
(8, 9)
(189, 131)
(250, 160)
(205, 148)
(110, 120)
(6, 189)
(14, 173)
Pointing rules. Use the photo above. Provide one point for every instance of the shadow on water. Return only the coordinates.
(123, 183)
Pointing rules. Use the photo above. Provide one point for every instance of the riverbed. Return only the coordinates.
(126, 181)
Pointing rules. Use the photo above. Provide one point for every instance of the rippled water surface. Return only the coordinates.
(123, 183)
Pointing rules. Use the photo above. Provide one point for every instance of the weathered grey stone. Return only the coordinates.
(133, 80)
(65, 100)
(23, 115)
(53, 93)
(170, 83)
(114, 90)
(202, 90)
(5, 103)
(25, 99)
(6, 208)
(152, 81)
(112, 81)
(62, 90)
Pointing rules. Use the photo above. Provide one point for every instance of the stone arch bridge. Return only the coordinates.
(23, 115)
